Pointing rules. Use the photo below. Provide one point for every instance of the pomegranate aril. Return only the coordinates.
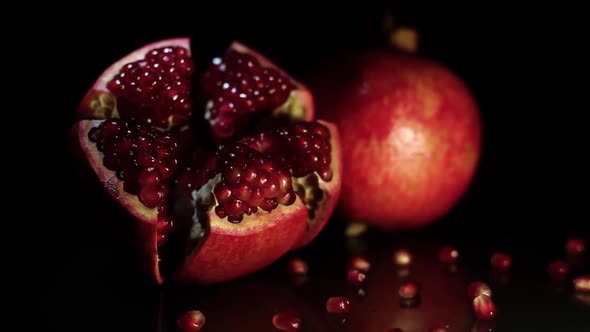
(558, 270)
(191, 321)
(484, 307)
(477, 288)
(409, 290)
(338, 304)
(355, 277)
(582, 283)
(360, 263)
(298, 266)
(152, 195)
(575, 246)
(448, 255)
(402, 258)
(149, 176)
(288, 321)
(235, 218)
(269, 204)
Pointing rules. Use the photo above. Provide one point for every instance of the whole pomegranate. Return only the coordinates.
(223, 171)
(410, 133)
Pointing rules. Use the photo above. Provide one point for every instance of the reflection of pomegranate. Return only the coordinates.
(410, 133)
(225, 174)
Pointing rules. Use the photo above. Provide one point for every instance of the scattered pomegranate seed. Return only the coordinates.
(575, 246)
(484, 307)
(355, 277)
(558, 270)
(338, 304)
(288, 321)
(360, 263)
(191, 321)
(448, 255)
(477, 288)
(298, 266)
(582, 283)
(402, 258)
(501, 261)
(409, 290)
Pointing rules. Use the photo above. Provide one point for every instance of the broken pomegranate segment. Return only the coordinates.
(221, 185)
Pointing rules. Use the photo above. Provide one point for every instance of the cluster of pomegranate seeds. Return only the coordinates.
(157, 89)
(448, 255)
(288, 321)
(238, 86)
(304, 146)
(249, 180)
(200, 169)
(191, 321)
(501, 262)
(338, 305)
(144, 158)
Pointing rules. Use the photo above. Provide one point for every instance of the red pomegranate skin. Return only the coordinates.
(410, 133)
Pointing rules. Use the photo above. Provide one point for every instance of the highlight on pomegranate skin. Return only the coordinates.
(210, 164)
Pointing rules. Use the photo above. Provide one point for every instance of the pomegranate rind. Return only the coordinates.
(302, 92)
(85, 110)
(147, 217)
(331, 189)
(229, 251)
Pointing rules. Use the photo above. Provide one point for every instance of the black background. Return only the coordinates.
(526, 66)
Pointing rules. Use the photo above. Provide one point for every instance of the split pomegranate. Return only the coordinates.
(225, 170)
